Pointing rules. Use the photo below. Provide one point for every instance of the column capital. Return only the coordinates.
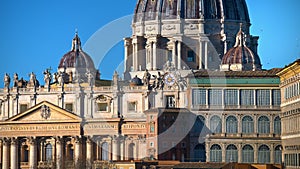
(59, 140)
(14, 140)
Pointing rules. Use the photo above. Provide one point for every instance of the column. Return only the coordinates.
(179, 55)
(223, 146)
(206, 55)
(126, 45)
(14, 153)
(5, 161)
(115, 148)
(77, 149)
(240, 154)
(272, 124)
(154, 53)
(200, 55)
(272, 154)
(59, 154)
(174, 53)
(207, 149)
(1, 150)
(89, 152)
(240, 123)
(32, 154)
(223, 124)
(42, 149)
(255, 153)
(122, 150)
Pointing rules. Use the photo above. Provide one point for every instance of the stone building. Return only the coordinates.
(290, 107)
(193, 90)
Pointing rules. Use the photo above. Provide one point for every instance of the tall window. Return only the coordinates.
(198, 125)
(247, 154)
(69, 107)
(247, 125)
(231, 124)
(105, 151)
(231, 153)
(215, 153)
(277, 125)
(48, 152)
(215, 97)
(216, 124)
(191, 56)
(199, 97)
(170, 101)
(247, 97)
(263, 154)
(132, 106)
(263, 97)
(276, 97)
(231, 97)
(278, 155)
(263, 125)
(23, 108)
(131, 151)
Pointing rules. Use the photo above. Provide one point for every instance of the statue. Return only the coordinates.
(60, 78)
(6, 80)
(90, 78)
(16, 80)
(160, 82)
(47, 77)
(146, 78)
(32, 80)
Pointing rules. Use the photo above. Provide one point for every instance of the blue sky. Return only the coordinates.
(35, 34)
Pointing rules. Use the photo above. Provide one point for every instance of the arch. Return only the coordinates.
(131, 149)
(199, 124)
(104, 151)
(49, 152)
(263, 154)
(247, 124)
(277, 125)
(199, 153)
(216, 124)
(215, 153)
(247, 154)
(263, 125)
(278, 154)
(231, 124)
(231, 153)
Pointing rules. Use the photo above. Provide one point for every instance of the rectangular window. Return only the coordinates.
(102, 107)
(191, 56)
(247, 97)
(215, 97)
(23, 108)
(69, 107)
(170, 101)
(263, 97)
(199, 97)
(132, 106)
(276, 97)
(231, 97)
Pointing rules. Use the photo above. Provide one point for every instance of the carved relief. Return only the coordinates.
(150, 28)
(191, 27)
(45, 112)
(169, 27)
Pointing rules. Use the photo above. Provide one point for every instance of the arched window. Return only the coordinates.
(231, 125)
(48, 155)
(278, 155)
(215, 153)
(199, 153)
(263, 125)
(216, 124)
(247, 154)
(131, 149)
(199, 124)
(247, 125)
(231, 153)
(105, 151)
(277, 125)
(24, 154)
(263, 154)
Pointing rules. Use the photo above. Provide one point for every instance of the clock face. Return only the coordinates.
(170, 79)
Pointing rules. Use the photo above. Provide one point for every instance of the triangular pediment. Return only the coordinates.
(45, 112)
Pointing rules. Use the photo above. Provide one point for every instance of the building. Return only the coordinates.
(290, 90)
(193, 90)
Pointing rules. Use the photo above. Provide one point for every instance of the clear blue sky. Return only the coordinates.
(35, 34)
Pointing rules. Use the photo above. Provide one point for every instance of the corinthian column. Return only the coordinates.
(33, 154)
(5, 161)
(115, 148)
(89, 152)
(14, 153)
(59, 155)
(77, 147)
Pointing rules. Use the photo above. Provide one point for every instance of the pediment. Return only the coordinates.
(45, 112)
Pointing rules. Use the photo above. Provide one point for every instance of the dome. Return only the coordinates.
(191, 9)
(76, 58)
(240, 57)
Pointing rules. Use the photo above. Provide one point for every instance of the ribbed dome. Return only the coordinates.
(191, 9)
(241, 55)
(76, 58)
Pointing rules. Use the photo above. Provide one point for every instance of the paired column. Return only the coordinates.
(135, 55)
(59, 155)
(174, 53)
(5, 162)
(32, 154)
(77, 153)
(89, 152)
(115, 148)
(14, 153)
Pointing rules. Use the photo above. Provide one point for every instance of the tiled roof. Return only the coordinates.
(259, 73)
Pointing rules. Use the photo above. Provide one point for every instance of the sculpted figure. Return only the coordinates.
(47, 77)
(146, 78)
(6, 80)
(16, 80)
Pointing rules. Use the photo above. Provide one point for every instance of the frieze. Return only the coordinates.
(133, 126)
(101, 126)
(38, 128)
(169, 27)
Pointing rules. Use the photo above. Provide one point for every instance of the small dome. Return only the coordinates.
(76, 58)
(136, 81)
(240, 57)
